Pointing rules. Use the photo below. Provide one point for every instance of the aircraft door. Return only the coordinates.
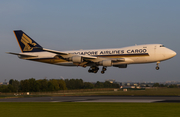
(155, 52)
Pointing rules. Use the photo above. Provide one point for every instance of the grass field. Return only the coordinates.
(69, 109)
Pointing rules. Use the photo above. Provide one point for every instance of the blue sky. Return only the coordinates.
(69, 24)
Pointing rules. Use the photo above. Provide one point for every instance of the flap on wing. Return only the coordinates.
(88, 57)
(21, 54)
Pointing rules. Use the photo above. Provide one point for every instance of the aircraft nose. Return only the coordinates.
(171, 53)
(174, 53)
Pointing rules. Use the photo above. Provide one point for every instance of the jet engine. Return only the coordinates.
(106, 63)
(76, 59)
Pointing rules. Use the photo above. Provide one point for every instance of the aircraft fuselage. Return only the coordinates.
(117, 57)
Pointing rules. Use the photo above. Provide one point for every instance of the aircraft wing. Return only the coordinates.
(55, 52)
(64, 54)
(22, 54)
(86, 58)
(118, 60)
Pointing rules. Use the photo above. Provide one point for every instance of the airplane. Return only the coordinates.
(116, 57)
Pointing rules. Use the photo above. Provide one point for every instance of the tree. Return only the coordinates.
(6, 88)
(161, 85)
(74, 83)
(88, 85)
(9, 88)
(29, 85)
(99, 85)
(50, 86)
(25, 85)
(43, 85)
(107, 84)
(53, 85)
(10, 81)
(173, 86)
(62, 85)
(34, 86)
(79, 84)
(156, 85)
(15, 85)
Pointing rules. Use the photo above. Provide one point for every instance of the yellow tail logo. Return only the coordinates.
(26, 40)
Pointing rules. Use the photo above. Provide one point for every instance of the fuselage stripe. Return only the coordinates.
(124, 55)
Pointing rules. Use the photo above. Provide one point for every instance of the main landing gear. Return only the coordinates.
(103, 70)
(93, 69)
(157, 67)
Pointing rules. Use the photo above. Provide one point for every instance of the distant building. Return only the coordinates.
(128, 84)
(5, 83)
(127, 87)
(110, 80)
(135, 84)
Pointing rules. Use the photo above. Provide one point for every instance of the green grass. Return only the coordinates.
(80, 109)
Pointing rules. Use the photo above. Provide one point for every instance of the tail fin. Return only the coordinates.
(26, 43)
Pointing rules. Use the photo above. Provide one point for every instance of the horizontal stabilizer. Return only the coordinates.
(21, 54)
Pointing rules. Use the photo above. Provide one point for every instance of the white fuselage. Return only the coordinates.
(116, 57)
(131, 55)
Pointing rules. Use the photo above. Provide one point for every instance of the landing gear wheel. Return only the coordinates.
(93, 69)
(104, 69)
(157, 67)
(102, 72)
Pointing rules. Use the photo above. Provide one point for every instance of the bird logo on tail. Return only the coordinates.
(27, 42)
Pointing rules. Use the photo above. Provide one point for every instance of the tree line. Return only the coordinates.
(44, 85)
(166, 85)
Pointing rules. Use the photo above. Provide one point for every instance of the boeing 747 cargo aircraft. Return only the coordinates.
(116, 57)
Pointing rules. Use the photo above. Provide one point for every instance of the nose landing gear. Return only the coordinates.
(157, 67)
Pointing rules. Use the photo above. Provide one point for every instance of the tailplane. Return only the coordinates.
(26, 43)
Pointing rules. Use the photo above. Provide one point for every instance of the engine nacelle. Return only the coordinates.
(76, 59)
(106, 63)
(121, 66)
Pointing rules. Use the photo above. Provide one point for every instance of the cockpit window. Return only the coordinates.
(162, 46)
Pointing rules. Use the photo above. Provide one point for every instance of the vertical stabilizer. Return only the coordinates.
(26, 43)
